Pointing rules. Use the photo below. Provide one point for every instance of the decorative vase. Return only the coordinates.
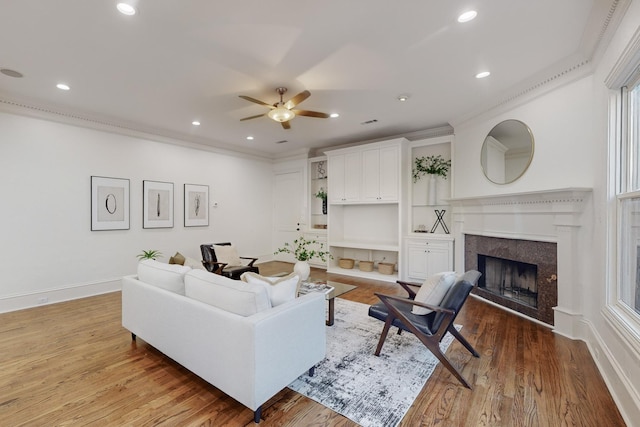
(432, 197)
(324, 206)
(302, 269)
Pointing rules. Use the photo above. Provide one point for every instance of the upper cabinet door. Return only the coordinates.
(380, 174)
(389, 174)
(352, 176)
(371, 175)
(344, 177)
(335, 176)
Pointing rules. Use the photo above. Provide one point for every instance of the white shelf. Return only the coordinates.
(366, 245)
(356, 272)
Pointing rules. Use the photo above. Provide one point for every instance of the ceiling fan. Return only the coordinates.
(283, 112)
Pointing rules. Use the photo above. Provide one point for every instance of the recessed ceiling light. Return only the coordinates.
(467, 16)
(250, 138)
(126, 9)
(195, 123)
(482, 75)
(11, 73)
(334, 115)
(403, 97)
(63, 86)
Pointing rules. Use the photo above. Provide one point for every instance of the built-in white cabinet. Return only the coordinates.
(366, 207)
(345, 177)
(380, 174)
(425, 257)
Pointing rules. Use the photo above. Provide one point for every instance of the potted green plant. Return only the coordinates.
(149, 254)
(322, 194)
(303, 251)
(433, 166)
(430, 165)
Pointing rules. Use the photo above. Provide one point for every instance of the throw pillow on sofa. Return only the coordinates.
(234, 296)
(178, 258)
(280, 289)
(227, 254)
(165, 276)
(433, 291)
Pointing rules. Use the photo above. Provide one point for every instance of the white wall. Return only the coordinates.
(570, 127)
(48, 249)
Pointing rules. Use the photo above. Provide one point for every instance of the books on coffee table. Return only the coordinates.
(306, 287)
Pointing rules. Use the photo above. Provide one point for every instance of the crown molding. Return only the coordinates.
(23, 107)
(603, 22)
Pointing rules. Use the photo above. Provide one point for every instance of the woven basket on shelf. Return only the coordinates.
(365, 265)
(346, 263)
(385, 268)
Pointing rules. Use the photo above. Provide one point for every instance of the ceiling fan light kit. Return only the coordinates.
(282, 112)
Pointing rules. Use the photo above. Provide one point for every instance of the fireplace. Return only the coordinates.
(544, 228)
(510, 279)
(517, 274)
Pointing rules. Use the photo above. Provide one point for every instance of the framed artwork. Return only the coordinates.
(196, 205)
(109, 203)
(157, 204)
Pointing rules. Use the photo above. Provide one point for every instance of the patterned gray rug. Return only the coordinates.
(372, 391)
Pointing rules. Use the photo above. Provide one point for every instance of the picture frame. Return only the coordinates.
(157, 204)
(109, 203)
(196, 205)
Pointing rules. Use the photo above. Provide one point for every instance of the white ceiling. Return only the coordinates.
(179, 61)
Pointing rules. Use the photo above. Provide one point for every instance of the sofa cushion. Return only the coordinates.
(165, 276)
(433, 291)
(230, 295)
(227, 254)
(193, 263)
(279, 289)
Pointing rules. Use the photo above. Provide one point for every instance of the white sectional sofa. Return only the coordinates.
(225, 331)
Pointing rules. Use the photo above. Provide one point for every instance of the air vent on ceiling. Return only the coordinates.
(281, 141)
(368, 122)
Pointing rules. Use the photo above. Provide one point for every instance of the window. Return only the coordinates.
(627, 294)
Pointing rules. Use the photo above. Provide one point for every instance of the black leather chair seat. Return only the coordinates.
(422, 322)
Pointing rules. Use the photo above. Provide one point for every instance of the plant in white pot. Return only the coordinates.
(303, 250)
(433, 166)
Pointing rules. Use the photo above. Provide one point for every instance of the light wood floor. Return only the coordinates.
(72, 364)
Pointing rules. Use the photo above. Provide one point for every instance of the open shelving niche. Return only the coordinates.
(364, 232)
(421, 213)
(318, 179)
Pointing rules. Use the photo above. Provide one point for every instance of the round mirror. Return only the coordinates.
(507, 151)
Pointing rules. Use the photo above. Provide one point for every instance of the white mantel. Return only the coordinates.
(549, 216)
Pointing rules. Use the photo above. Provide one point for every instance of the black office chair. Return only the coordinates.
(211, 263)
(429, 328)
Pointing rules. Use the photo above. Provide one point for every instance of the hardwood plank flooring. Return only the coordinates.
(72, 364)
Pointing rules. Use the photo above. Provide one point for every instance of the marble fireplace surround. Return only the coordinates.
(541, 216)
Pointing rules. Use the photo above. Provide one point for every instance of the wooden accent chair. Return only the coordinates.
(211, 263)
(429, 328)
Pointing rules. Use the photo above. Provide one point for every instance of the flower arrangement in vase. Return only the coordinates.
(322, 194)
(433, 166)
(302, 251)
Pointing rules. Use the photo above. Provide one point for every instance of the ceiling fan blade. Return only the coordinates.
(285, 125)
(253, 117)
(257, 101)
(297, 99)
(311, 114)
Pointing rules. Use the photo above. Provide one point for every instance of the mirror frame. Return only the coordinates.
(529, 160)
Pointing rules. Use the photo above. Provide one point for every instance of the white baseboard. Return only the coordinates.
(52, 296)
(620, 386)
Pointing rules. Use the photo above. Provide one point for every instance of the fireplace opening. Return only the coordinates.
(510, 279)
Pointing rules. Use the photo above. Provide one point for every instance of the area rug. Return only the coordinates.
(369, 390)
